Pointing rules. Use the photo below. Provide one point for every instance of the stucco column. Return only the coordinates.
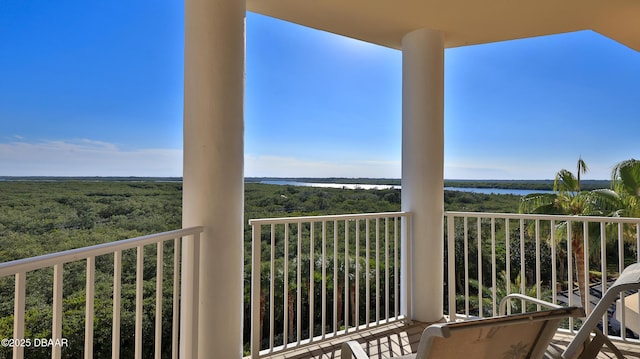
(423, 166)
(213, 189)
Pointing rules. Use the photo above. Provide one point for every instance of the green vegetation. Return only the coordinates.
(39, 217)
(44, 216)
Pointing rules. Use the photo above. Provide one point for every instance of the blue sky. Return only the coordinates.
(95, 88)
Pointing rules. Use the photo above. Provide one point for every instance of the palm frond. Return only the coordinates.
(627, 175)
(582, 166)
(565, 181)
(602, 202)
(539, 203)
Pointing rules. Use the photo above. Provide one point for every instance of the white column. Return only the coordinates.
(423, 166)
(213, 185)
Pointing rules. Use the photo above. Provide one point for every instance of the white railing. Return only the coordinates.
(115, 251)
(315, 278)
(531, 254)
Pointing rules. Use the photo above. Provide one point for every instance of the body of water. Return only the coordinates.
(332, 185)
(519, 192)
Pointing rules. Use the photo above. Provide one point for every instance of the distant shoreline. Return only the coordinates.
(506, 184)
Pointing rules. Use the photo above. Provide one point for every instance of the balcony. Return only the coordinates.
(346, 277)
(214, 64)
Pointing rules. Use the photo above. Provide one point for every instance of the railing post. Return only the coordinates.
(189, 297)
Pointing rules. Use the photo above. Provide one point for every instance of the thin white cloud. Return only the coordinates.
(533, 168)
(277, 166)
(85, 157)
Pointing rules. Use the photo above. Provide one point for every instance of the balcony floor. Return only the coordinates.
(399, 339)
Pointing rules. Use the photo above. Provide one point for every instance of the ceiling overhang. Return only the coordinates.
(463, 22)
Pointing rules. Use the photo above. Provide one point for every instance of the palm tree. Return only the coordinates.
(625, 180)
(582, 169)
(568, 199)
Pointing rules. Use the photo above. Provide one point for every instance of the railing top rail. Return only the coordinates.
(327, 218)
(48, 260)
(547, 217)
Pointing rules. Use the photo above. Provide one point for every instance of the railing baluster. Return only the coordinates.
(335, 276)
(554, 278)
(621, 247)
(176, 299)
(356, 295)
(570, 271)
(299, 287)
(285, 299)
(396, 266)
(623, 322)
(406, 263)
(479, 240)
(523, 277)
(538, 266)
(189, 306)
(377, 270)
(386, 268)
(494, 303)
(638, 245)
(466, 266)
(324, 279)
(638, 261)
(311, 280)
(56, 327)
(507, 246)
(603, 270)
(256, 266)
(89, 310)
(367, 276)
(18, 313)
(159, 267)
(117, 290)
(585, 256)
(451, 267)
(272, 286)
(139, 298)
(345, 298)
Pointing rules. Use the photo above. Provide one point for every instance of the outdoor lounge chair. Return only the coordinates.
(514, 336)
(521, 335)
(589, 339)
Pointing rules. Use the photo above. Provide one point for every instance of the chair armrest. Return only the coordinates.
(352, 350)
(505, 300)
